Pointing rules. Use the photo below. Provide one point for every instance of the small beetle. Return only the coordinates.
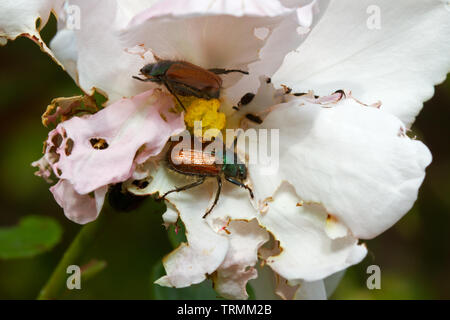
(203, 165)
(254, 118)
(185, 79)
(245, 100)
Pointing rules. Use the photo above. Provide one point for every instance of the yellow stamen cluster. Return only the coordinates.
(206, 111)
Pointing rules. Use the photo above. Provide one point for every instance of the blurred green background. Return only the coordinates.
(413, 255)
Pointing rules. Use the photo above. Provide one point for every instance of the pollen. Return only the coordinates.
(203, 118)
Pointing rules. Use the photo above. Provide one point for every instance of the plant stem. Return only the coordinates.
(78, 247)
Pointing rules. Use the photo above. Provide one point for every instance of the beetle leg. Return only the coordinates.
(240, 184)
(189, 91)
(146, 79)
(166, 84)
(225, 71)
(219, 188)
(189, 186)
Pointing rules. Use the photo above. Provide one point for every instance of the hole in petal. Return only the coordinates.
(141, 184)
(38, 23)
(261, 33)
(53, 155)
(57, 140)
(99, 144)
(69, 147)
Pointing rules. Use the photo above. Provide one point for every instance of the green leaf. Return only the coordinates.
(201, 291)
(32, 236)
(131, 243)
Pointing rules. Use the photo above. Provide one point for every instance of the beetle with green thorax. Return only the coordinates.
(204, 164)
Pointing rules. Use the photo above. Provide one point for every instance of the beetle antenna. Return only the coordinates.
(140, 79)
(173, 93)
(225, 71)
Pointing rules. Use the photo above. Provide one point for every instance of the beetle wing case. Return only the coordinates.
(192, 162)
(193, 76)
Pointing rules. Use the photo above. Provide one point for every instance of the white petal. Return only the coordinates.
(92, 53)
(230, 279)
(218, 34)
(355, 160)
(64, 46)
(335, 229)
(205, 250)
(292, 31)
(308, 11)
(307, 253)
(19, 17)
(397, 64)
(78, 208)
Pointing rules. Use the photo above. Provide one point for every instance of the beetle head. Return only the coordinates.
(235, 170)
(242, 171)
(147, 69)
(156, 69)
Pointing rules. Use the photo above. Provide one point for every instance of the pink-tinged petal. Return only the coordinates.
(92, 53)
(239, 34)
(96, 150)
(79, 208)
(355, 160)
(19, 18)
(245, 237)
(382, 50)
(44, 169)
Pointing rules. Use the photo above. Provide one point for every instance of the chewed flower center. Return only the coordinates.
(202, 117)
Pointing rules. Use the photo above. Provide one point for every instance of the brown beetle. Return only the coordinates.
(203, 164)
(185, 79)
